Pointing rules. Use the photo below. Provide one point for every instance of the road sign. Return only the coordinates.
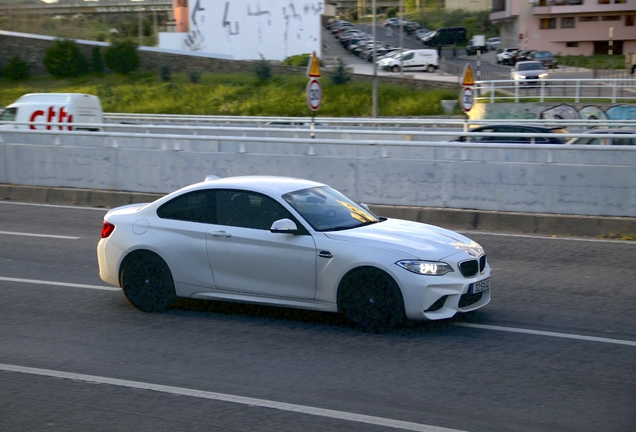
(468, 80)
(313, 68)
(467, 98)
(314, 94)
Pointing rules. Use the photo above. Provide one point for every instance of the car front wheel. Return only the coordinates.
(147, 282)
(371, 300)
(395, 69)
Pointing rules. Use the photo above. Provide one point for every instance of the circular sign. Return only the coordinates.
(467, 98)
(314, 94)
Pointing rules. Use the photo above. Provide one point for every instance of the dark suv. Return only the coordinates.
(529, 136)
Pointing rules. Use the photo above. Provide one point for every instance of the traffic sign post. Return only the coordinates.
(467, 95)
(314, 94)
(467, 98)
(314, 89)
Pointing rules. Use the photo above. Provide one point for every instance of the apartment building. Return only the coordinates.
(575, 27)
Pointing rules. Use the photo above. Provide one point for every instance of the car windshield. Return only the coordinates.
(530, 66)
(326, 209)
(542, 54)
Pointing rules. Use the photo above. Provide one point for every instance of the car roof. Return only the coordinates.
(266, 184)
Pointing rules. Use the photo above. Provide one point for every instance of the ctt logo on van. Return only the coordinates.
(50, 116)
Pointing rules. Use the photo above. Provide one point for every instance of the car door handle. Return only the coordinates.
(325, 254)
(220, 234)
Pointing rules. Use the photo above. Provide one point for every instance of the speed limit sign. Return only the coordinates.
(314, 94)
(467, 99)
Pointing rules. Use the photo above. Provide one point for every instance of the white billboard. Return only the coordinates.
(247, 29)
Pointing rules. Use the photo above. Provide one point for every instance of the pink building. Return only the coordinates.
(567, 26)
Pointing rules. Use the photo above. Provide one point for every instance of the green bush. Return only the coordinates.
(64, 59)
(17, 69)
(340, 74)
(97, 64)
(263, 69)
(194, 76)
(122, 57)
(164, 73)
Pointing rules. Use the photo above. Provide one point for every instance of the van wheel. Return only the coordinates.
(395, 68)
(430, 68)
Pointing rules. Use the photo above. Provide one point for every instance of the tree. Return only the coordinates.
(340, 75)
(97, 64)
(122, 57)
(64, 59)
(17, 69)
(262, 69)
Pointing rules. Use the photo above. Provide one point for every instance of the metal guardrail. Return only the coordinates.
(573, 90)
(355, 137)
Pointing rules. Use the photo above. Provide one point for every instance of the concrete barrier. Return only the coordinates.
(470, 183)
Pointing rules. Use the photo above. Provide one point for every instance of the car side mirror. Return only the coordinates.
(284, 226)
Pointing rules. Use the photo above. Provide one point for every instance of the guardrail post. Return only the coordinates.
(310, 151)
(577, 98)
(614, 88)
(492, 92)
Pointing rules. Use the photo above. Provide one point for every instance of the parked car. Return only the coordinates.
(523, 55)
(411, 27)
(545, 57)
(445, 36)
(528, 73)
(476, 43)
(614, 137)
(507, 56)
(291, 243)
(529, 136)
(493, 43)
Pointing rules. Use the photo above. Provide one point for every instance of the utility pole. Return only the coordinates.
(375, 65)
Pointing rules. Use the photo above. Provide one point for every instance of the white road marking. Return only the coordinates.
(547, 237)
(54, 206)
(261, 403)
(62, 284)
(39, 235)
(459, 324)
(545, 333)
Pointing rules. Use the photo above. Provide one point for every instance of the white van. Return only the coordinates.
(413, 60)
(34, 110)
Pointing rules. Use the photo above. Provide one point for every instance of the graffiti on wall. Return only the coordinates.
(529, 111)
(590, 112)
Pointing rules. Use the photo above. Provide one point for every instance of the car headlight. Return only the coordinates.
(543, 75)
(430, 268)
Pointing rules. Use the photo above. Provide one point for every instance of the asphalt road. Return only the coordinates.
(554, 351)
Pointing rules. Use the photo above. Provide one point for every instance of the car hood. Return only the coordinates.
(535, 72)
(426, 242)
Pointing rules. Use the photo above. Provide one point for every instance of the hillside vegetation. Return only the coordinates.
(235, 94)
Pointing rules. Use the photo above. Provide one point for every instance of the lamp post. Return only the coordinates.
(374, 96)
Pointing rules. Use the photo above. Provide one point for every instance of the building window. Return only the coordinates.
(629, 20)
(603, 1)
(611, 18)
(572, 44)
(620, 1)
(548, 23)
(588, 18)
(567, 22)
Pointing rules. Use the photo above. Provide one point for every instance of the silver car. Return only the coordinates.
(528, 73)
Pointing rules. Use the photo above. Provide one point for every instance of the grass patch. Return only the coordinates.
(596, 61)
(231, 94)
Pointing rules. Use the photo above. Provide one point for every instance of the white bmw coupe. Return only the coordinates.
(292, 243)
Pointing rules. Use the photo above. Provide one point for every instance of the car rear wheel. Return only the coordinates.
(430, 68)
(371, 300)
(147, 282)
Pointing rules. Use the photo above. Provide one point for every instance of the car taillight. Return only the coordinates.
(107, 229)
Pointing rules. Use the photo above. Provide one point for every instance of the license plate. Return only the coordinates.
(478, 287)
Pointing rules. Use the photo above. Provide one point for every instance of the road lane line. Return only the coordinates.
(55, 206)
(545, 333)
(39, 235)
(223, 397)
(62, 284)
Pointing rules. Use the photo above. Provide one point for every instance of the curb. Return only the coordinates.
(454, 219)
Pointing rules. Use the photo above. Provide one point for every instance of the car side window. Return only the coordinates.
(409, 56)
(197, 206)
(248, 210)
(9, 114)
